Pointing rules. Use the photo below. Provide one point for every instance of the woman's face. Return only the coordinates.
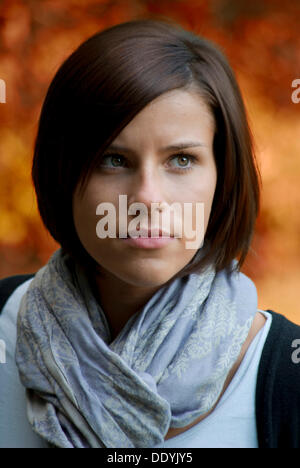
(147, 171)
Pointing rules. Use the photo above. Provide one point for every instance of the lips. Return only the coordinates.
(146, 233)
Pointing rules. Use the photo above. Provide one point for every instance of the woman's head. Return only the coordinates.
(146, 84)
(144, 164)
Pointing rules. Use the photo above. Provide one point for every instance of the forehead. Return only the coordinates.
(175, 114)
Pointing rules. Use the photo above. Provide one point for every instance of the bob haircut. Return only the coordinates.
(98, 90)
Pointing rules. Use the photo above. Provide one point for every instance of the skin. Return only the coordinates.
(130, 276)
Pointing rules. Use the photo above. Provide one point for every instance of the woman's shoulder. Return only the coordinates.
(278, 385)
(280, 358)
(9, 285)
(285, 334)
(281, 352)
(15, 430)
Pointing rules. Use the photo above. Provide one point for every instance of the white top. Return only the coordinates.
(231, 424)
(15, 430)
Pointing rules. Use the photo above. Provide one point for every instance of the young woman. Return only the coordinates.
(123, 340)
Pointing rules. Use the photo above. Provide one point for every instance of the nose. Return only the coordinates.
(146, 187)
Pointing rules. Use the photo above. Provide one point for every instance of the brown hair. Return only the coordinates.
(97, 91)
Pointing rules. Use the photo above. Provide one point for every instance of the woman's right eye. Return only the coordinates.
(116, 160)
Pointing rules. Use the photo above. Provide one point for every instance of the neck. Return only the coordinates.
(119, 300)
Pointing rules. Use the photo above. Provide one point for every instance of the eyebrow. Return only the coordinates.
(175, 147)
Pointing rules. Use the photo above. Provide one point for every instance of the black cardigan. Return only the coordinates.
(278, 380)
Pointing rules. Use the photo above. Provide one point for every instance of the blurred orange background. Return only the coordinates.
(262, 42)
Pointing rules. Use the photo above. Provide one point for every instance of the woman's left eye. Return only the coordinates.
(184, 160)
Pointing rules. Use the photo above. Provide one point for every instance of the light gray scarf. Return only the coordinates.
(166, 367)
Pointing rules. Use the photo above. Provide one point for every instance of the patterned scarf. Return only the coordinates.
(166, 367)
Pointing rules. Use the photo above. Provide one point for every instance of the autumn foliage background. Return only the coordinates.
(260, 38)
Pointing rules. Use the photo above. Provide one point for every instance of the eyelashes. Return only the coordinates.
(192, 159)
(120, 158)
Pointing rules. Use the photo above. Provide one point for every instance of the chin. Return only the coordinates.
(149, 282)
(150, 279)
(145, 275)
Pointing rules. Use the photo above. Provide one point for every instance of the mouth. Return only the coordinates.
(144, 240)
(147, 234)
(148, 242)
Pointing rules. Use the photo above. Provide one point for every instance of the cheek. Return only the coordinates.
(84, 207)
(209, 197)
(84, 216)
(209, 188)
(202, 192)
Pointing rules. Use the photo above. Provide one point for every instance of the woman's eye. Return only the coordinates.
(115, 159)
(185, 162)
